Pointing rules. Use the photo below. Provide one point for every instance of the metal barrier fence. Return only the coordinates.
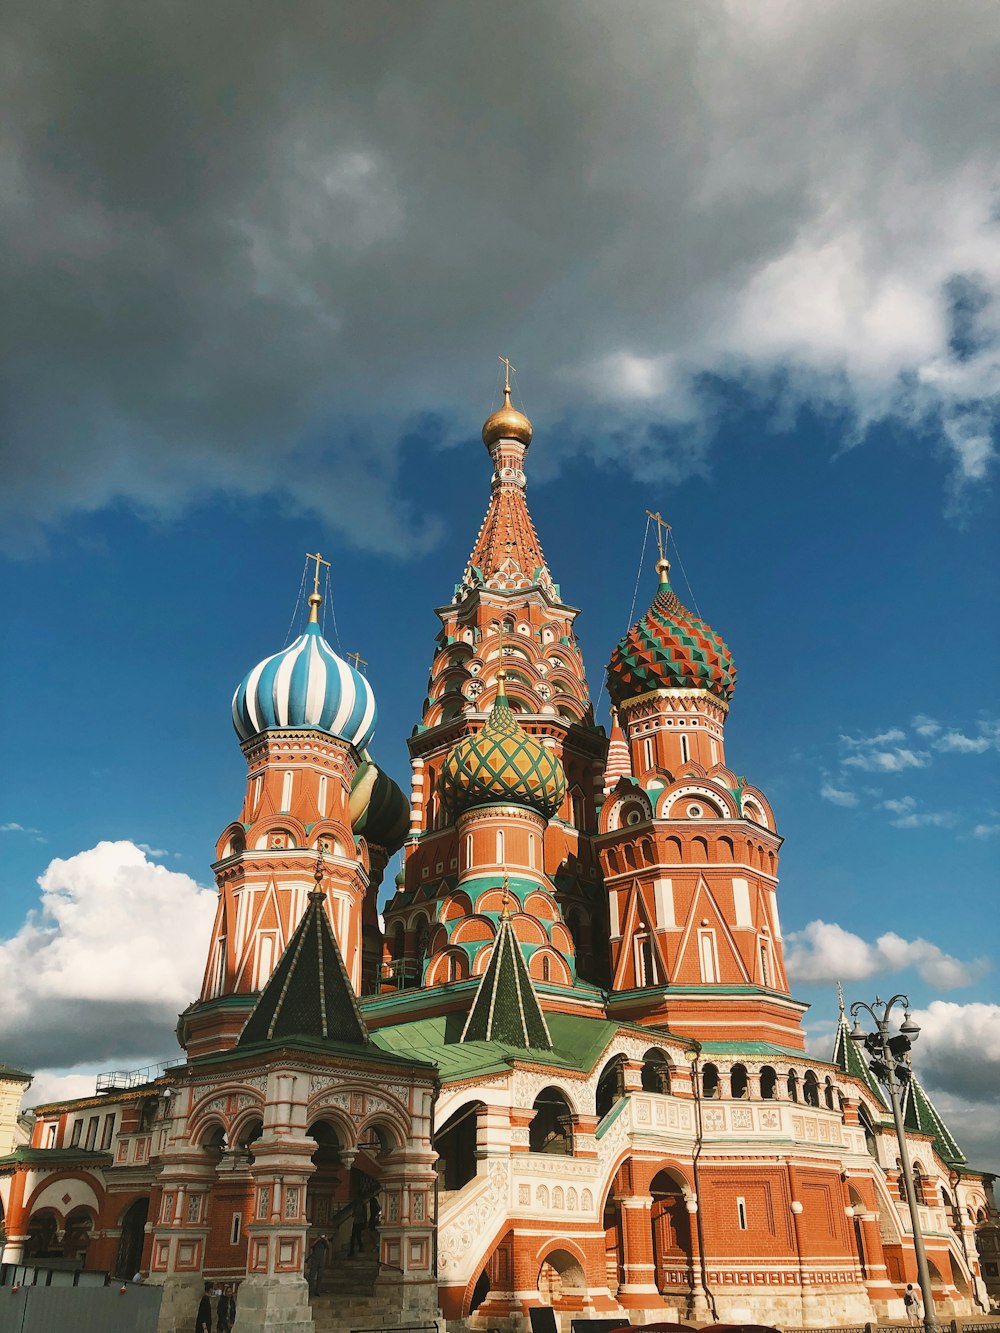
(80, 1309)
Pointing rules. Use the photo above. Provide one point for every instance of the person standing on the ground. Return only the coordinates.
(317, 1265)
(910, 1303)
(203, 1323)
(359, 1217)
(374, 1213)
(225, 1311)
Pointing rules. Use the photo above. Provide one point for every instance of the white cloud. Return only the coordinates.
(106, 963)
(887, 761)
(986, 830)
(925, 726)
(824, 952)
(959, 1049)
(838, 796)
(902, 806)
(157, 852)
(926, 819)
(957, 743)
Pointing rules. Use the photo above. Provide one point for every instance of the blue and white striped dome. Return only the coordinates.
(306, 685)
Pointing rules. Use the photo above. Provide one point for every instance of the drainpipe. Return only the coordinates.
(692, 1056)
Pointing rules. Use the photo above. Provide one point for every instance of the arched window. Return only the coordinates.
(830, 1094)
(610, 1085)
(871, 1142)
(768, 1084)
(655, 1071)
(551, 1130)
(810, 1088)
(546, 968)
(793, 1086)
(710, 1087)
(739, 1083)
(500, 847)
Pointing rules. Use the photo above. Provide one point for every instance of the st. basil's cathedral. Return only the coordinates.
(563, 1069)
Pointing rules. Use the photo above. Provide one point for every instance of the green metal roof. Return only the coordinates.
(8, 1071)
(54, 1157)
(577, 1044)
(920, 1114)
(759, 1048)
(849, 1060)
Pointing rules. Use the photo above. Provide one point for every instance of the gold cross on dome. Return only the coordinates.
(505, 361)
(662, 526)
(319, 561)
(357, 659)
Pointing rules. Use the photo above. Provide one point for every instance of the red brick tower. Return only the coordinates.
(304, 717)
(507, 612)
(689, 851)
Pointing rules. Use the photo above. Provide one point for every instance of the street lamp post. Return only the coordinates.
(889, 1065)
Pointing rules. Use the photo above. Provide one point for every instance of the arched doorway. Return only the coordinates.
(130, 1242)
(857, 1210)
(562, 1282)
(326, 1190)
(671, 1223)
(455, 1144)
(613, 1243)
(43, 1236)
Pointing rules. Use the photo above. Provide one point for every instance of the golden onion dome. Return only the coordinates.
(507, 423)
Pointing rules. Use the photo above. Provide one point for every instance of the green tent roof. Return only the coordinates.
(506, 1007)
(309, 993)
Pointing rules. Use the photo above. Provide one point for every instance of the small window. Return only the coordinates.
(647, 752)
(235, 1228)
(109, 1132)
(741, 1213)
(50, 1136)
(685, 749)
(91, 1133)
(546, 969)
(77, 1132)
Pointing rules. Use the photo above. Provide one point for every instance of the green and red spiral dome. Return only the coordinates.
(670, 648)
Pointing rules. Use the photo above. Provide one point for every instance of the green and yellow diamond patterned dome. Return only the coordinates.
(502, 763)
(670, 648)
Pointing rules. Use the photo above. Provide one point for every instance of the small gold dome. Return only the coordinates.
(507, 424)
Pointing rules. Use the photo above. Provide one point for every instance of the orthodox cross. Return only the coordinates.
(357, 659)
(662, 527)
(508, 368)
(319, 561)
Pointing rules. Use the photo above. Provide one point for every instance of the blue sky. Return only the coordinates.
(267, 321)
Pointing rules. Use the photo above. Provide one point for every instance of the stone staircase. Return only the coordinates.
(349, 1300)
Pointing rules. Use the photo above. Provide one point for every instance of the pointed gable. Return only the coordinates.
(506, 1008)
(309, 993)
(849, 1060)
(920, 1115)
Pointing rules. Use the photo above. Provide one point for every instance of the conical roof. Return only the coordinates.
(920, 1115)
(309, 993)
(506, 1008)
(670, 648)
(849, 1060)
(502, 762)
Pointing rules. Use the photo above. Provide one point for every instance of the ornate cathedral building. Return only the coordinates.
(564, 1068)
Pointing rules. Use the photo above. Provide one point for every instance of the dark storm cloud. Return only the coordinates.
(247, 244)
